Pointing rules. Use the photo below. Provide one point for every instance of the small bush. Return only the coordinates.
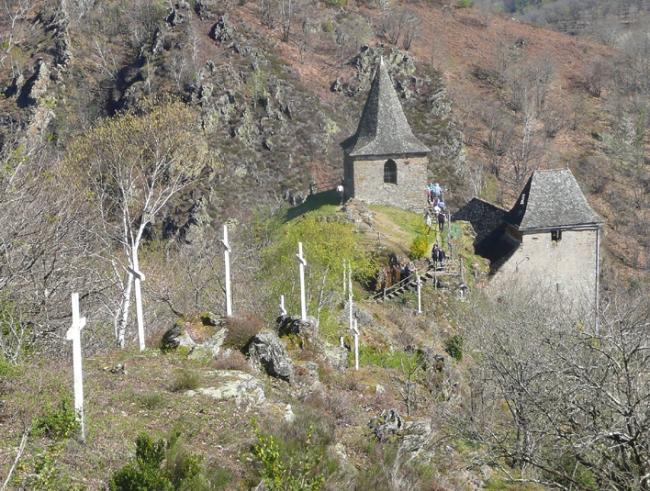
(166, 465)
(419, 247)
(454, 347)
(153, 400)
(234, 361)
(58, 423)
(463, 4)
(241, 329)
(294, 460)
(185, 380)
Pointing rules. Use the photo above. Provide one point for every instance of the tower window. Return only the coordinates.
(390, 172)
(556, 235)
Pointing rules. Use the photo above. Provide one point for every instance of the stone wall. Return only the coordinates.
(364, 180)
(484, 217)
(567, 267)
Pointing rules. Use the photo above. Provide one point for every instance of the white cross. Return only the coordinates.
(283, 311)
(419, 283)
(139, 278)
(303, 300)
(226, 257)
(74, 334)
(355, 331)
(350, 299)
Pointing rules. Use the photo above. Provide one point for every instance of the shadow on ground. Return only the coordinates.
(314, 202)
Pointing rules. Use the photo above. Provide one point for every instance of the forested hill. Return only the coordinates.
(135, 133)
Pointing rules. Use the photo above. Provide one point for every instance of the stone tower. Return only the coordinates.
(384, 163)
(551, 239)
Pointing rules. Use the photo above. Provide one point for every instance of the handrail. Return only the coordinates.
(396, 286)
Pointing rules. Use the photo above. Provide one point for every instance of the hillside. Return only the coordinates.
(159, 392)
(274, 123)
(134, 135)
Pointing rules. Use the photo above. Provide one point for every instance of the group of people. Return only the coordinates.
(434, 194)
(395, 272)
(440, 219)
(435, 211)
(438, 257)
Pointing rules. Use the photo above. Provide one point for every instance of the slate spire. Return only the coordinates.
(383, 128)
(552, 199)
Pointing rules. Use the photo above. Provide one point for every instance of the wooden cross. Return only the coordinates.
(226, 257)
(74, 334)
(419, 283)
(355, 332)
(283, 311)
(139, 278)
(350, 298)
(303, 300)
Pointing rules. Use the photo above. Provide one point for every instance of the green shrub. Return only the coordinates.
(289, 469)
(185, 380)
(57, 423)
(463, 4)
(153, 400)
(336, 3)
(419, 247)
(166, 465)
(454, 347)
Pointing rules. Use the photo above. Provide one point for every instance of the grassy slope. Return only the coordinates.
(120, 406)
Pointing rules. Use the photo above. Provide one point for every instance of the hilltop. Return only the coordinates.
(275, 110)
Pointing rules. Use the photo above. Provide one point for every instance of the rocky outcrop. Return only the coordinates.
(387, 424)
(414, 437)
(293, 325)
(222, 31)
(266, 351)
(242, 387)
(203, 337)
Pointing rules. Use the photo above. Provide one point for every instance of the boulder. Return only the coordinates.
(207, 9)
(293, 325)
(222, 31)
(387, 424)
(235, 385)
(210, 348)
(335, 356)
(267, 351)
(416, 436)
(176, 337)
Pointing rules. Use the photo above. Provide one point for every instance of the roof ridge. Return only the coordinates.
(383, 128)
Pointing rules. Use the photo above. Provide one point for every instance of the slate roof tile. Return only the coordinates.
(383, 128)
(552, 199)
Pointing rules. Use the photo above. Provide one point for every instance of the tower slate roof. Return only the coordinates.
(552, 199)
(383, 128)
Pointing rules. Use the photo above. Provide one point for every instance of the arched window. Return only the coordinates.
(390, 172)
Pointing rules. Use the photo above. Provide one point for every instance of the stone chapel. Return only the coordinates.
(384, 163)
(549, 240)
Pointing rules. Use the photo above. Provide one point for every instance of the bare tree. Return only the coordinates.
(135, 165)
(576, 392)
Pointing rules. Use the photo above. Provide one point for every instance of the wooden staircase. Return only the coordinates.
(432, 275)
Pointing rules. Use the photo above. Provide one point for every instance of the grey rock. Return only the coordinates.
(416, 435)
(335, 356)
(387, 424)
(175, 337)
(235, 385)
(266, 350)
(209, 349)
(207, 9)
(287, 325)
(222, 31)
